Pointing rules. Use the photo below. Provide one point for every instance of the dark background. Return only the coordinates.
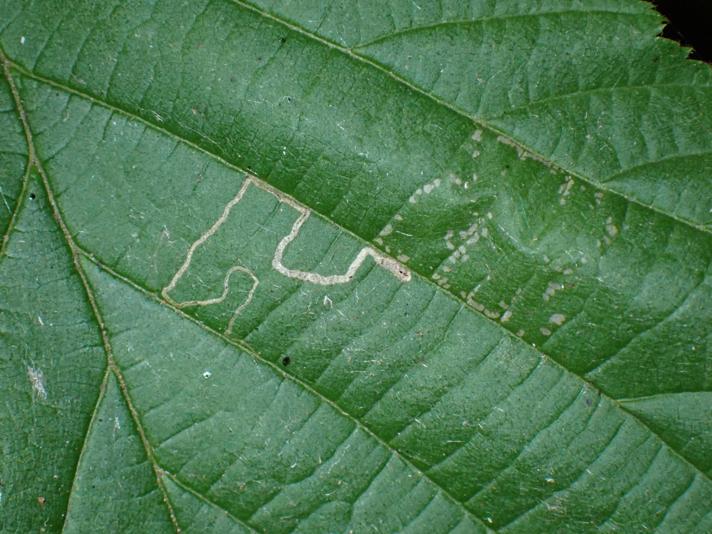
(690, 24)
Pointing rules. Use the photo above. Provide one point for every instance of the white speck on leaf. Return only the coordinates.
(551, 290)
(448, 237)
(387, 230)
(37, 380)
(565, 189)
(430, 187)
(557, 319)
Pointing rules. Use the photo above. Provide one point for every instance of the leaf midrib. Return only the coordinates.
(479, 121)
(421, 277)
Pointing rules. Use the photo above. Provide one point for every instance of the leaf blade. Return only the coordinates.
(666, 316)
(258, 199)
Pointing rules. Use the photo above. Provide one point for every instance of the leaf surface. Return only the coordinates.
(292, 267)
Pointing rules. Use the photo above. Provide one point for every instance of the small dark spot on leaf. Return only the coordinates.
(32, 196)
(283, 40)
(286, 361)
(588, 401)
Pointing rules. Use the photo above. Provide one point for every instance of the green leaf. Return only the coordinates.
(403, 267)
